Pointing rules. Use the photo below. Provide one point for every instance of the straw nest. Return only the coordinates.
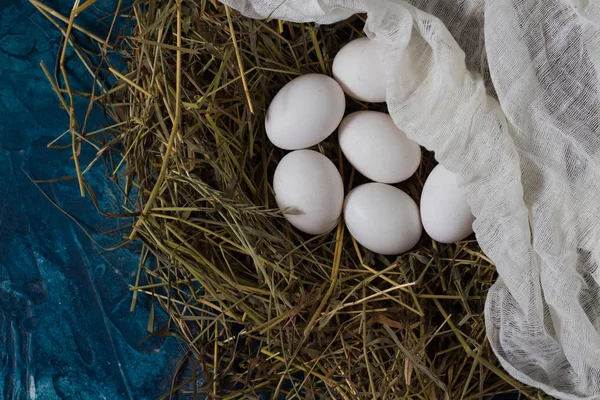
(263, 308)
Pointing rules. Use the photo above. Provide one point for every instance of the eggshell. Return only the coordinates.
(358, 67)
(309, 186)
(382, 218)
(304, 112)
(377, 148)
(445, 212)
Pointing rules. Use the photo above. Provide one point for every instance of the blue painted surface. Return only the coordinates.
(65, 327)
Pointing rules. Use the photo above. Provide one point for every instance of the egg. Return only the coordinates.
(445, 213)
(358, 67)
(308, 185)
(382, 218)
(304, 112)
(377, 148)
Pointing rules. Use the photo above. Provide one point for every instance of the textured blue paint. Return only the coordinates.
(65, 327)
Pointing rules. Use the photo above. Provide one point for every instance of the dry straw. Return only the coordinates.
(263, 308)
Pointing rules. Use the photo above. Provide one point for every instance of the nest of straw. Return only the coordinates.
(263, 308)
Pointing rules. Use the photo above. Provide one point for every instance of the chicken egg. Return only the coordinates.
(310, 189)
(382, 218)
(376, 148)
(305, 112)
(445, 213)
(358, 67)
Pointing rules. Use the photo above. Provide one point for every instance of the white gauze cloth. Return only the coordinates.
(529, 162)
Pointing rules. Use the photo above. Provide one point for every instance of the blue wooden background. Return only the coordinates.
(65, 327)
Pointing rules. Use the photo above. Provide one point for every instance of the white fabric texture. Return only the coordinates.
(529, 162)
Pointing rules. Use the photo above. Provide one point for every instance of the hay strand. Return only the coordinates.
(263, 308)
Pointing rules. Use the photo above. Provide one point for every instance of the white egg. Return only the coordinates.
(309, 186)
(375, 146)
(382, 218)
(304, 112)
(445, 212)
(358, 67)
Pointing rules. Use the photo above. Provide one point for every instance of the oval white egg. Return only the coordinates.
(376, 148)
(304, 112)
(445, 213)
(358, 67)
(308, 185)
(382, 218)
